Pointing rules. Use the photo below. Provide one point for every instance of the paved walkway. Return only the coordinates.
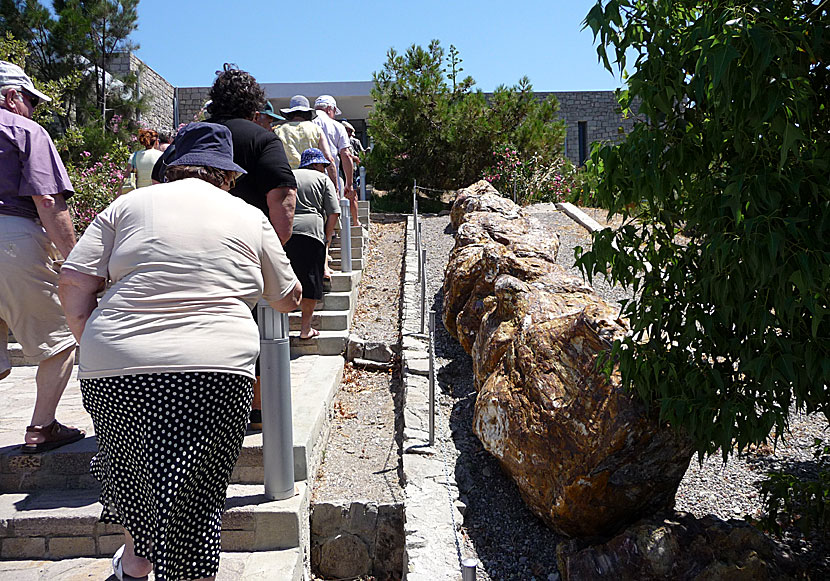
(17, 394)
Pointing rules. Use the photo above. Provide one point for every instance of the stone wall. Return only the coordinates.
(191, 100)
(156, 90)
(600, 113)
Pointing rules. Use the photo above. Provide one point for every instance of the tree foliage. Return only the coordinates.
(74, 41)
(431, 126)
(726, 199)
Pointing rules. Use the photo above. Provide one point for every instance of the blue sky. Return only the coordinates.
(186, 41)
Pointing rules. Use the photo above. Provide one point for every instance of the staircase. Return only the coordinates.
(333, 315)
(49, 504)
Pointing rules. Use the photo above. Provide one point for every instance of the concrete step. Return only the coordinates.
(323, 320)
(337, 301)
(284, 565)
(310, 402)
(314, 382)
(357, 252)
(344, 281)
(357, 242)
(327, 343)
(357, 264)
(60, 524)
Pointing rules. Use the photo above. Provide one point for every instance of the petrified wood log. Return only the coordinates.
(680, 547)
(588, 457)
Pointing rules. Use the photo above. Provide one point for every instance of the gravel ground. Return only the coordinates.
(509, 540)
(362, 457)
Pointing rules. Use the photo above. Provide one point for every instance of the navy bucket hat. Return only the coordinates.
(312, 155)
(205, 144)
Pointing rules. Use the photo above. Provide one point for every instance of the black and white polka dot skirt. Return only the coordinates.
(167, 443)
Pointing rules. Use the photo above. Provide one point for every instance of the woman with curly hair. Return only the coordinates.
(142, 162)
(235, 98)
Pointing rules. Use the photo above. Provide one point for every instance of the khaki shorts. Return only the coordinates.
(29, 302)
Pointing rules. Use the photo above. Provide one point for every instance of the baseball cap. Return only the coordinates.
(12, 75)
(269, 110)
(327, 101)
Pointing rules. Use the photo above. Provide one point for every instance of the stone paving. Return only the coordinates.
(17, 392)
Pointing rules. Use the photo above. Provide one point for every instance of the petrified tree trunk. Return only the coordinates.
(588, 457)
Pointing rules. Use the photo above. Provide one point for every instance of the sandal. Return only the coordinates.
(118, 567)
(54, 435)
(313, 335)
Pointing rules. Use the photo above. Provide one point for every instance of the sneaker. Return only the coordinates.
(255, 419)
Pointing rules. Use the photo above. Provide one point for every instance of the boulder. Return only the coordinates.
(587, 456)
(480, 197)
(680, 547)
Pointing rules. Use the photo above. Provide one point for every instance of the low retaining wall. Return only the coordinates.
(430, 490)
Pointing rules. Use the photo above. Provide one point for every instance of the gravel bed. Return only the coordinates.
(362, 457)
(498, 528)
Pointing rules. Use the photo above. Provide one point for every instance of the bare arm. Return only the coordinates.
(331, 222)
(281, 204)
(331, 170)
(78, 294)
(290, 301)
(348, 167)
(54, 215)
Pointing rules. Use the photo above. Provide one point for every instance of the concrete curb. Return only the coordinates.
(429, 487)
(579, 217)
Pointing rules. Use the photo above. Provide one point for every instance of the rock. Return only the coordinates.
(344, 556)
(371, 365)
(378, 351)
(680, 547)
(587, 456)
(479, 197)
(355, 347)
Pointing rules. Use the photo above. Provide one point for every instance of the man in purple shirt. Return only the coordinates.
(34, 226)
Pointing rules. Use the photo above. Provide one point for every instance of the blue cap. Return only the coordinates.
(312, 155)
(269, 110)
(205, 144)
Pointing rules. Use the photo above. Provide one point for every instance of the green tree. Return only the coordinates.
(78, 37)
(443, 135)
(726, 200)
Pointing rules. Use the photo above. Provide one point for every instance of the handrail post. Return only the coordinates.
(431, 378)
(277, 429)
(345, 236)
(423, 288)
(468, 569)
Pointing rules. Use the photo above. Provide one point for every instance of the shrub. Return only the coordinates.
(793, 501)
(531, 177)
(439, 131)
(97, 183)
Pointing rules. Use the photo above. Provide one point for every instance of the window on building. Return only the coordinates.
(582, 128)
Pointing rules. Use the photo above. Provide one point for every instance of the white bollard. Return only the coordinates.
(345, 236)
(362, 183)
(275, 378)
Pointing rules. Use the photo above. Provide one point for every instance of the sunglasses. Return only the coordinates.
(33, 99)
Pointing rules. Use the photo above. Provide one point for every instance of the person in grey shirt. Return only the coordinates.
(34, 226)
(315, 217)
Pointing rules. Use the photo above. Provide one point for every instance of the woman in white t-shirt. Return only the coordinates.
(142, 161)
(167, 359)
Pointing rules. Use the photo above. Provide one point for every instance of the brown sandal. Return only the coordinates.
(54, 435)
